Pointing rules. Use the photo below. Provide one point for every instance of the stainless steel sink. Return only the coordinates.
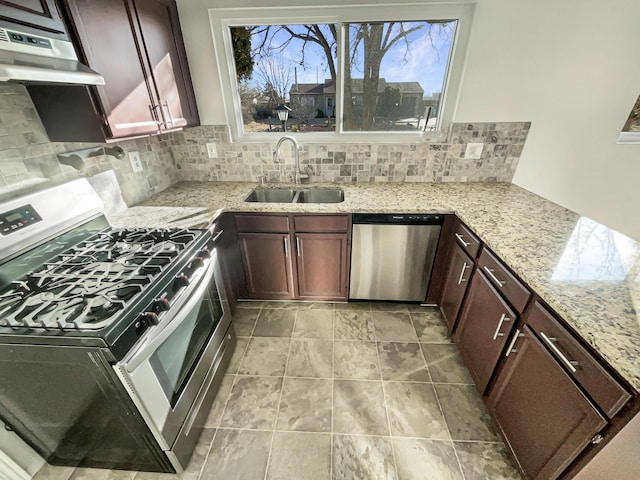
(271, 195)
(320, 195)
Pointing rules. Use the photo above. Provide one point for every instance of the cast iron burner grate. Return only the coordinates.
(87, 286)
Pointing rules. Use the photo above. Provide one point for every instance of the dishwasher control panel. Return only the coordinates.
(398, 218)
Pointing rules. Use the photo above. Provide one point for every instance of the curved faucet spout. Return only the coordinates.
(296, 153)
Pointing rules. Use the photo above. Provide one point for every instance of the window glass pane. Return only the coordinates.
(395, 73)
(286, 69)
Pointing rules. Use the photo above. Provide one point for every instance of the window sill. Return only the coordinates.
(402, 138)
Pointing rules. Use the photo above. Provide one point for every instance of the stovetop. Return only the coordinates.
(90, 285)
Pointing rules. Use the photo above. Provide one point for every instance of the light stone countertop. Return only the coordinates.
(588, 273)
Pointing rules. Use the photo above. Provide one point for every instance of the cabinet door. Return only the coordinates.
(455, 285)
(104, 28)
(164, 51)
(484, 325)
(322, 265)
(41, 15)
(267, 265)
(546, 420)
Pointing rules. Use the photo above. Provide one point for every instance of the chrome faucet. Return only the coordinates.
(298, 175)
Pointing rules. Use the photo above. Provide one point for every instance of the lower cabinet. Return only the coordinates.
(545, 418)
(455, 286)
(322, 265)
(483, 328)
(295, 256)
(267, 265)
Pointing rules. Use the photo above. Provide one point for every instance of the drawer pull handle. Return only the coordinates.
(570, 364)
(298, 246)
(464, 268)
(461, 240)
(286, 247)
(503, 319)
(493, 277)
(512, 345)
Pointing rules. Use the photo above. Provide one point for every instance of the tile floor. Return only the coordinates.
(339, 391)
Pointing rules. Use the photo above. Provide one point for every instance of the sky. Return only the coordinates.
(425, 60)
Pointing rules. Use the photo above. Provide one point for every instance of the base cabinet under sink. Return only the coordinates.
(288, 256)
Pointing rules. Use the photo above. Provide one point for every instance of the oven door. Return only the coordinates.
(168, 374)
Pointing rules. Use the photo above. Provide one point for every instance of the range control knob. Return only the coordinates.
(149, 318)
(181, 280)
(162, 305)
(197, 262)
(204, 253)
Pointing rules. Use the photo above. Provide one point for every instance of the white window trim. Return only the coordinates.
(223, 18)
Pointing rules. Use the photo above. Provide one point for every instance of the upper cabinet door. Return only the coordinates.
(164, 49)
(37, 14)
(110, 47)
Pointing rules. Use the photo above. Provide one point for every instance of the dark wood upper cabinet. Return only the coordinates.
(545, 418)
(136, 45)
(38, 16)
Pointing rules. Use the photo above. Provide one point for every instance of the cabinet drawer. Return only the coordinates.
(506, 283)
(580, 363)
(467, 240)
(321, 223)
(262, 223)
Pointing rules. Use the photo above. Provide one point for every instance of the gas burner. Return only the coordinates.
(87, 286)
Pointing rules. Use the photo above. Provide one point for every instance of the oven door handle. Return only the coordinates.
(160, 333)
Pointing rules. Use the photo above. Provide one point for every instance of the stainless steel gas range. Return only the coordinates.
(113, 341)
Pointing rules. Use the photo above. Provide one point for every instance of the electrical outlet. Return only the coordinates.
(474, 150)
(212, 151)
(136, 163)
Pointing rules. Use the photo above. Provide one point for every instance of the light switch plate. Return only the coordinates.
(136, 163)
(212, 151)
(474, 150)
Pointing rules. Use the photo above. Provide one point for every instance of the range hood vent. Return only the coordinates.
(29, 58)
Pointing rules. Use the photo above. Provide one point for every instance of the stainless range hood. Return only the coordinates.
(29, 58)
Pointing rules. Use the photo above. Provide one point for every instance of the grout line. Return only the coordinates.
(386, 407)
(275, 420)
(453, 445)
(206, 457)
(333, 378)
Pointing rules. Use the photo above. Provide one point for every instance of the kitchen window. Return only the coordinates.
(371, 74)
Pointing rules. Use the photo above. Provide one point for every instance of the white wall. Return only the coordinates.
(570, 67)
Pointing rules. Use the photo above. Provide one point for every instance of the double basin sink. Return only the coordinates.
(289, 195)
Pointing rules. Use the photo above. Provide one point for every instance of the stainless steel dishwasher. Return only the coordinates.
(392, 255)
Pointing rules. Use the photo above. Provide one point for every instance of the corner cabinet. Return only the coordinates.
(136, 45)
(302, 257)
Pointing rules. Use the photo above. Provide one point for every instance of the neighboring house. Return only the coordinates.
(323, 96)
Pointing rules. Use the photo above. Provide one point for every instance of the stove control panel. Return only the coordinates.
(17, 219)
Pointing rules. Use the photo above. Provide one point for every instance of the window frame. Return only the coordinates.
(221, 19)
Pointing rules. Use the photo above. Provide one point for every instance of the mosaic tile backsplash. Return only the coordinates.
(27, 157)
(342, 162)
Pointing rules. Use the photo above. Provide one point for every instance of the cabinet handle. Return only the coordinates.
(286, 247)
(464, 267)
(503, 319)
(495, 279)
(514, 339)
(570, 364)
(166, 104)
(298, 246)
(154, 115)
(461, 240)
